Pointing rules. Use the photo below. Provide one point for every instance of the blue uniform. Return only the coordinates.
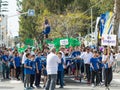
(11, 61)
(61, 72)
(38, 75)
(17, 61)
(100, 62)
(27, 63)
(5, 67)
(94, 62)
(43, 58)
(5, 58)
(75, 54)
(60, 65)
(39, 62)
(44, 70)
(32, 64)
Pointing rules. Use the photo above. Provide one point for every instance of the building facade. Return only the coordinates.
(3, 22)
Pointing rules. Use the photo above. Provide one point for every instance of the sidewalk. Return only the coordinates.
(70, 85)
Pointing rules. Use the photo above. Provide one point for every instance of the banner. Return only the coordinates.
(64, 42)
(29, 42)
(106, 23)
(108, 40)
(51, 46)
(67, 42)
(96, 28)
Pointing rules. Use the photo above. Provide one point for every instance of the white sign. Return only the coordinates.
(51, 46)
(108, 40)
(64, 42)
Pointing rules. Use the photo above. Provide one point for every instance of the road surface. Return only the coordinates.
(70, 85)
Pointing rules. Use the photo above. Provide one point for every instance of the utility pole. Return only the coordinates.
(91, 20)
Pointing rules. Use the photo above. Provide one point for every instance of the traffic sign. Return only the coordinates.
(31, 12)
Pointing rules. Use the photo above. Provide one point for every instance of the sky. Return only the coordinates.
(13, 25)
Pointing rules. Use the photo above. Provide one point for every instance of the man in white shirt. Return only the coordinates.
(86, 56)
(52, 68)
(23, 60)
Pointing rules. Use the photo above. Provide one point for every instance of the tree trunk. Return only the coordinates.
(116, 20)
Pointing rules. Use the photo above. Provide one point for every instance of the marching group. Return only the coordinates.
(94, 65)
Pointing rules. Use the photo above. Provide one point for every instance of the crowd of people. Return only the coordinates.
(83, 62)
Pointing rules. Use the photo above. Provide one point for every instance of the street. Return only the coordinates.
(70, 85)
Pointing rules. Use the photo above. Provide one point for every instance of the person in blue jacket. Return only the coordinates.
(38, 70)
(5, 65)
(44, 71)
(32, 75)
(100, 66)
(27, 71)
(12, 71)
(94, 68)
(75, 54)
(17, 64)
(60, 70)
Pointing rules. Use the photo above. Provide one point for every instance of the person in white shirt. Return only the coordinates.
(62, 49)
(86, 56)
(107, 59)
(52, 68)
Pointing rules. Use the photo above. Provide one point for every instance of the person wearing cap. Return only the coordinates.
(52, 68)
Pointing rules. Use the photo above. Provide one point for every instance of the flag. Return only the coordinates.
(29, 42)
(102, 23)
(106, 26)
